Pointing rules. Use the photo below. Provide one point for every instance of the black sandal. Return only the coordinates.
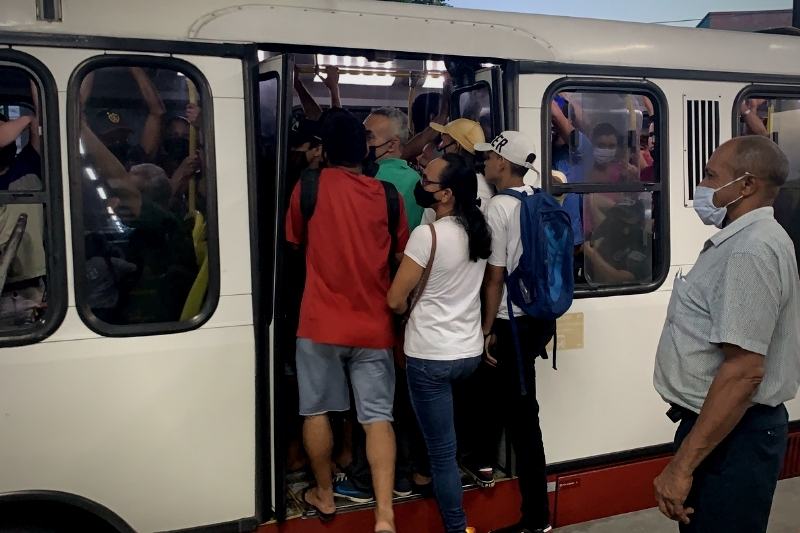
(323, 517)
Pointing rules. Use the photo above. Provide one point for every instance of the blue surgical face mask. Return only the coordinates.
(710, 214)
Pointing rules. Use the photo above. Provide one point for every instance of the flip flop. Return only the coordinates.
(323, 517)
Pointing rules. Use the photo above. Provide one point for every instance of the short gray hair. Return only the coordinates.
(155, 184)
(759, 156)
(399, 121)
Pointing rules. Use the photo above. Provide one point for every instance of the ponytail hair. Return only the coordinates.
(459, 176)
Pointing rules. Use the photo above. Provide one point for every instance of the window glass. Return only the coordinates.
(25, 249)
(618, 233)
(144, 190)
(604, 137)
(604, 155)
(779, 119)
(475, 104)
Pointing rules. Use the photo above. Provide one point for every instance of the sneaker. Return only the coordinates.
(483, 476)
(519, 528)
(402, 487)
(345, 489)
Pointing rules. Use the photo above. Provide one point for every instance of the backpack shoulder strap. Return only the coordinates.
(392, 210)
(515, 194)
(309, 186)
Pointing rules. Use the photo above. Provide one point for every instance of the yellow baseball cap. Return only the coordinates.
(466, 132)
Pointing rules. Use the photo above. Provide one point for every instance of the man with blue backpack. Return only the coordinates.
(528, 284)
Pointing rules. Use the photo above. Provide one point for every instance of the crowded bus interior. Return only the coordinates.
(144, 136)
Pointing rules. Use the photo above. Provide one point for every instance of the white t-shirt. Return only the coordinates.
(485, 193)
(446, 323)
(503, 219)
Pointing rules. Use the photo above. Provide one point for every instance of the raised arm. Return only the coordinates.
(749, 110)
(311, 108)
(9, 131)
(35, 136)
(417, 143)
(331, 81)
(151, 133)
(561, 123)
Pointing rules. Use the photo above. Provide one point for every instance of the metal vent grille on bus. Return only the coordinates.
(701, 121)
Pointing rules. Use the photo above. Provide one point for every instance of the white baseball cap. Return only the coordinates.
(513, 146)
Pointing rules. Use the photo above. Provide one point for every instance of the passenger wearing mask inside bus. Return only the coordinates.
(608, 166)
(387, 133)
(305, 150)
(460, 137)
(345, 333)
(113, 128)
(443, 341)
(728, 358)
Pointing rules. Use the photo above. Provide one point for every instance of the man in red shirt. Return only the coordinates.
(345, 325)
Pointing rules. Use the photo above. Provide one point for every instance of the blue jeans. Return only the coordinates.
(430, 384)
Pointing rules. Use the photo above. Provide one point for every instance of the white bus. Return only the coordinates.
(145, 368)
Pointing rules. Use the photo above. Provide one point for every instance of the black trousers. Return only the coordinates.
(733, 487)
(520, 413)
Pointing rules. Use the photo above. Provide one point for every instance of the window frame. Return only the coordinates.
(659, 190)
(50, 197)
(76, 198)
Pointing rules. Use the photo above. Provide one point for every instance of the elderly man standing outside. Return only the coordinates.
(729, 354)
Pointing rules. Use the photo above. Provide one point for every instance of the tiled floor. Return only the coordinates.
(785, 517)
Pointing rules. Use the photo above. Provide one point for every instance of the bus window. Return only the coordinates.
(779, 119)
(605, 150)
(30, 296)
(143, 195)
(475, 103)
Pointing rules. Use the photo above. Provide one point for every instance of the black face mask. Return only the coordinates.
(373, 156)
(424, 198)
(7, 154)
(296, 162)
(176, 148)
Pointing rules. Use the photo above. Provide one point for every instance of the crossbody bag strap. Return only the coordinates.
(423, 281)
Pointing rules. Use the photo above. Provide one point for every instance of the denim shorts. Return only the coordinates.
(322, 377)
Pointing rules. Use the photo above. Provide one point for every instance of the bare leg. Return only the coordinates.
(381, 455)
(318, 440)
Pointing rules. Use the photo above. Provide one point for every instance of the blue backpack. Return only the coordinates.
(542, 285)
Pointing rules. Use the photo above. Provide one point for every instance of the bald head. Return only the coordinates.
(758, 156)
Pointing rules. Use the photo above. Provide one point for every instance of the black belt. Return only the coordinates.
(677, 413)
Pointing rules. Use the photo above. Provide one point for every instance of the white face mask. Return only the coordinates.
(710, 214)
(604, 156)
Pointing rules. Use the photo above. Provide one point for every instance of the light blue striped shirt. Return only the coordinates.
(743, 290)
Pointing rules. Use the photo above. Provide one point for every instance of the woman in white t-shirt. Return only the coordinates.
(443, 341)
